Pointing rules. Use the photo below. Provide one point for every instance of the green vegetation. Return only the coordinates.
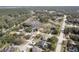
(14, 28)
(73, 30)
(11, 17)
(1, 33)
(74, 37)
(56, 30)
(53, 41)
(43, 19)
(64, 46)
(26, 25)
(37, 36)
(27, 36)
(6, 39)
(29, 29)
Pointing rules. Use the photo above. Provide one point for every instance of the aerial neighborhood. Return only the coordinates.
(39, 29)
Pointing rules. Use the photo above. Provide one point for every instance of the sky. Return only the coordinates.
(39, 3)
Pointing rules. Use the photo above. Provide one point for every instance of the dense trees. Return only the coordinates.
(73, 30)
(11, 17)
(74, 37)
(73, 19)
(1, 33)
(13, 20)
(55, 30)
(43, 19)
(53, 41)
(8, 38)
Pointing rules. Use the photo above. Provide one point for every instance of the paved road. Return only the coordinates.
(61, 36)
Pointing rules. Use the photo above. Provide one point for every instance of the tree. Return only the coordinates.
(43, 19)
(66, 30)
(29, 29)
(53, 41)
(1, 34)
(26, 25)
(74, 37)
